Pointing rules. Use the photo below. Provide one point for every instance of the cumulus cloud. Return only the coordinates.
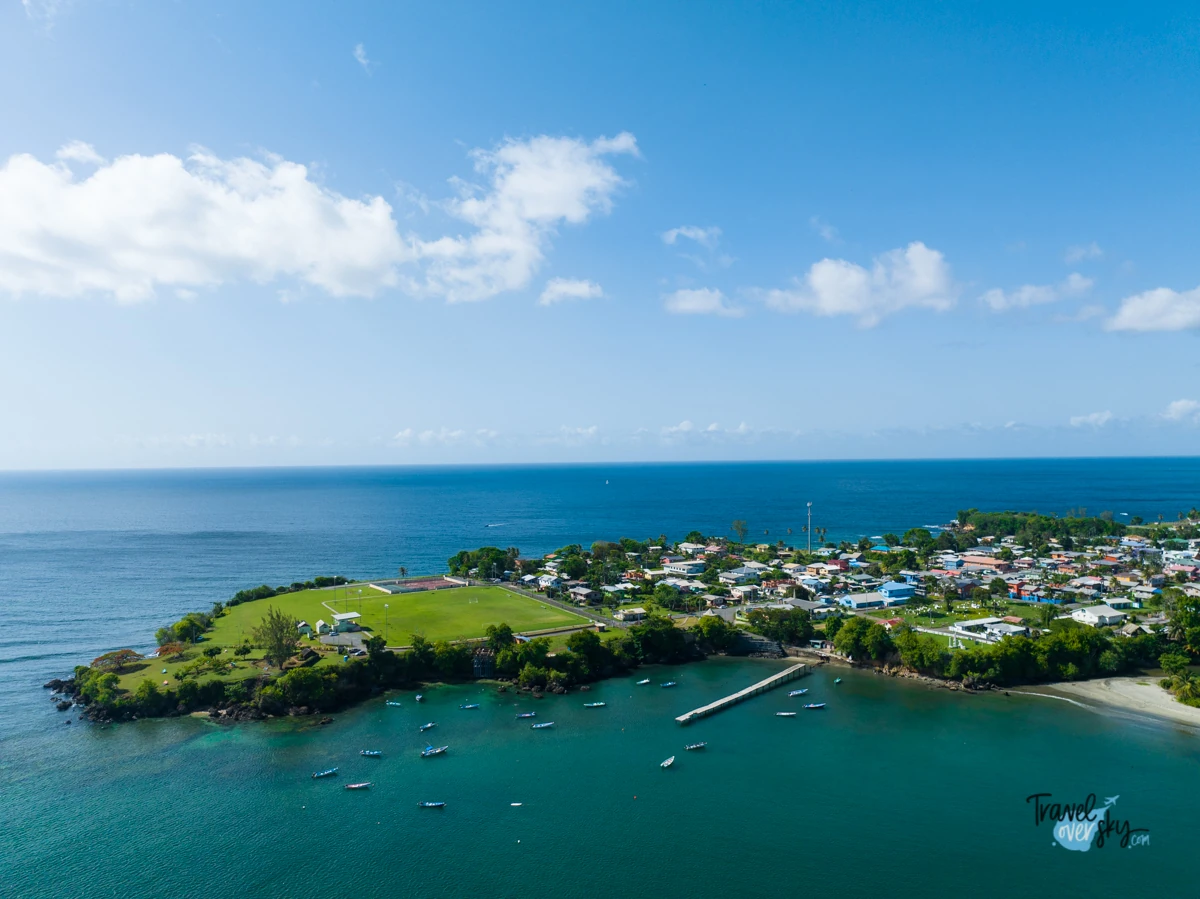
(559, 289)
(913, 277)
(143, 222)
(1183, 410)
(443, 437)
(1092, 419)
(706, 237)
(1036, 294)
(360, 54)
(701, 301)
(78, 151)
(1162, 309)
(1082, 252)
(532, 188)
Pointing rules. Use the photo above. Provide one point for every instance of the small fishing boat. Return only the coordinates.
(469, 705)
(392, 702)
(431, 805)
(814, 705)
(328, 772)
(429, 750)
(425, 727)
(690, 746)
(594, 705)
(643, 682)
(527, 715)
(837, 680)
(669, 683)
(515, 804)
(668, 763)
(420, 698)
(797, 692)
(362, 786)
(786, 714)
(371, 753)
(542, 725)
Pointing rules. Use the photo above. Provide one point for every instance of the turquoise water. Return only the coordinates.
(895, 789)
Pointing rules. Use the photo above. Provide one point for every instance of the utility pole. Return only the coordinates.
(809, 529)
(385, 608)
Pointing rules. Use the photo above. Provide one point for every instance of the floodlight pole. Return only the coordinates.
(810, 529)
(385, 608)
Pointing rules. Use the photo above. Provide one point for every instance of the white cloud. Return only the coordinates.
(1093, 419)
(141, 222)
(360, 54)
(1161, 309)
(913, 277)
(444, 437)
(702, 301)
(1183, 410)
(533, 187)
(1082, 252)
(78, 151)
(684, 427)
(827, 231)
(1036, 294)
(576, 436)
(559, 289)
(706, 237)
(45, 10)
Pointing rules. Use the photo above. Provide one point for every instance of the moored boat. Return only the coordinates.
(431, 805)
(371, 753)
(837, 680)
(420, 698)
(392, 702)
(469, 705)
(643, 682)
(690, 746)
(425, 727)
(668, 763)
(429, 751)
(669, 683)
(542, 725)
(594, 705)
(527, 715)
(785, 714)
(366, 785)
(814, 705)
(328, 772)
(797, 692)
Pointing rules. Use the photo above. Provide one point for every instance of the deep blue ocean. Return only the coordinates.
(95, 561)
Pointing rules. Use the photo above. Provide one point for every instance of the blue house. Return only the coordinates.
(894, 590)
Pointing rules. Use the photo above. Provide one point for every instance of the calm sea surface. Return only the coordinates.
(895, 790)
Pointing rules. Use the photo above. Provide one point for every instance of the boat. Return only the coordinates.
(786, 714)
(814, 705)
(515, 804)
(668, 763)
(420, 698)
(594, 705)
(837, 680)
(392, 702)
(542, 725)
(669, 683)
(425, 727)
(690, 746)
(371, 753)
(328, 772)
(527, 715)
(469, 705)
(643, 682)
(362, 786)
(798, 692)
(431, 805)
(429, 750)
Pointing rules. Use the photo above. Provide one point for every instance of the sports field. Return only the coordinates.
(449, 614)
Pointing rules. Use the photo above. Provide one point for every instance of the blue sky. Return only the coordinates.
(300, 233)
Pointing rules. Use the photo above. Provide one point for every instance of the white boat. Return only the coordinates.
(527, 715)
(469, 705)
(420, 698)
(515, 804)
(431, 805)
(542, 725)
(837, 680)
(815, 705)
(328, 772)
(429, 750)
(797, 692)
(785, 714)
(668, 763)
(392, 702)
(669, 683)
(594, 705)
(362, 786)
(690, 746)
(371, 753)
(643, 682)
(425, 727)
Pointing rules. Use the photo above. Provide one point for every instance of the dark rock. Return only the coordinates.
(584, 689)
(62, 706)
(326, 720)
(67, 721)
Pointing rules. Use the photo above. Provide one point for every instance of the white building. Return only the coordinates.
(684, 567)
(990, 630)
(1099, 616)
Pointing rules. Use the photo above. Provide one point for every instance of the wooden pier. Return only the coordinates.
(762, 686)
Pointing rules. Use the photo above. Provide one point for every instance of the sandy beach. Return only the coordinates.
(1131, 695)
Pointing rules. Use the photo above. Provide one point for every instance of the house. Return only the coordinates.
(744, 592)
(1134, 630)
(583, 595)
(1122, 602)
(346, 621)
(817, 610)
(894, 590)
(549, 582)
(858, 601)
(322, 627)
(303, 629)
(529, 580)
(989, 630)
(691, 548)
(1099, 616)
(629, 614)
(737, 576)
(685, 567)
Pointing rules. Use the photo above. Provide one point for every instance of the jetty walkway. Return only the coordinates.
(788, 674)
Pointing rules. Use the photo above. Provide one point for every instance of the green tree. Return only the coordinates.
(499, 636)
(1174, 663)
(740, 528)
(276, 633)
